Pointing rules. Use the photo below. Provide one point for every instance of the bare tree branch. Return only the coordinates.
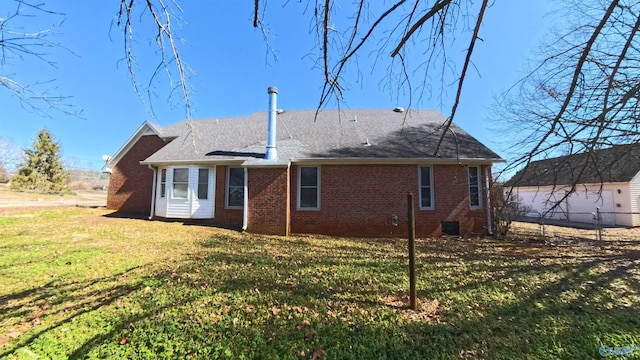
(438, 6)
(463, 74)
(162, 15)
(18, 44)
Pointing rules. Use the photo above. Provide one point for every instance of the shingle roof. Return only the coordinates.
(341, 134)
(619, 163)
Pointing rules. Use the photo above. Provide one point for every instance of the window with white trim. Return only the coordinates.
(180, 183)
(235, 188)
(163, 183)
(203, 184)
(309, 188)
(475, 188)
(426, 187)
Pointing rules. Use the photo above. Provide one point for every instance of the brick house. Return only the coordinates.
(344, 172)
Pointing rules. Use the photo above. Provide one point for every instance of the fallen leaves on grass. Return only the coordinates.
(298, 309)
(8, 336)
(303, 324)
(310, 335)
(274, 310)
(318, 353)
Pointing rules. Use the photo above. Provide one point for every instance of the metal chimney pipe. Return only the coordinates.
(272, 152)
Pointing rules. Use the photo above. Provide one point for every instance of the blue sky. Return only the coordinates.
(231, 72)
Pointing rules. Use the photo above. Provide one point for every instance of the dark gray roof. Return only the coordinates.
(341, 134)
(619, 163)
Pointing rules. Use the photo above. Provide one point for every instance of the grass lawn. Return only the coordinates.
(78, 283)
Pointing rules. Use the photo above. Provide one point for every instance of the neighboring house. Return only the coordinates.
(346, 172)
(606, 179)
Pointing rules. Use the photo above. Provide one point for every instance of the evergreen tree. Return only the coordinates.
(42, 169)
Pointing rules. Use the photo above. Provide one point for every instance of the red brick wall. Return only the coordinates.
(223, 216)
(359, 200)
(130, 183)
(269, 201)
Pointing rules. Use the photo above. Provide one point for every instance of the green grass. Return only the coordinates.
(75, 283)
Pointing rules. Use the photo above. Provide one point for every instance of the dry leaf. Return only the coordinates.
(311, 334)
(274, 310)
(318, 354)
(303, 324)
(10, 335)
(271, 336)
(123, 341)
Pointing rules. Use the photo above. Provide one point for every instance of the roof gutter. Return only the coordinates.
(193, 162)
(245, 202)
(352, 161)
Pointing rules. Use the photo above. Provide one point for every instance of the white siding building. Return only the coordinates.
(559, 189)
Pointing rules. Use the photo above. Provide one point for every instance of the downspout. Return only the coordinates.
(288, 197)
(245, 203)
(272, 152)
(488, 191)
(153, 192)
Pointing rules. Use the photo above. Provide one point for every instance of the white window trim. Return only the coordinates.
(479, 206)
(173, 173)
(431, 188)
(318, 191)
(226, 188)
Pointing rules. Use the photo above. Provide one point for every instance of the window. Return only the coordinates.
(308, 187)
(235, 188)
(163, 183)
(474, 187)
(203, 184)
(426, 188)
(180, 183)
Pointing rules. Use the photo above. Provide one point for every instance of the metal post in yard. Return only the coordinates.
(598, 225)
(411, 226)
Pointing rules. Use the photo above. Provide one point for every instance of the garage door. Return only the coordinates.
(582, 205)
(539, 203)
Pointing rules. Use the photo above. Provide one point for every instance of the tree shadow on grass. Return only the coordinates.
(266, 297)
(554, 298)
(548, 303)
(36, 306)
